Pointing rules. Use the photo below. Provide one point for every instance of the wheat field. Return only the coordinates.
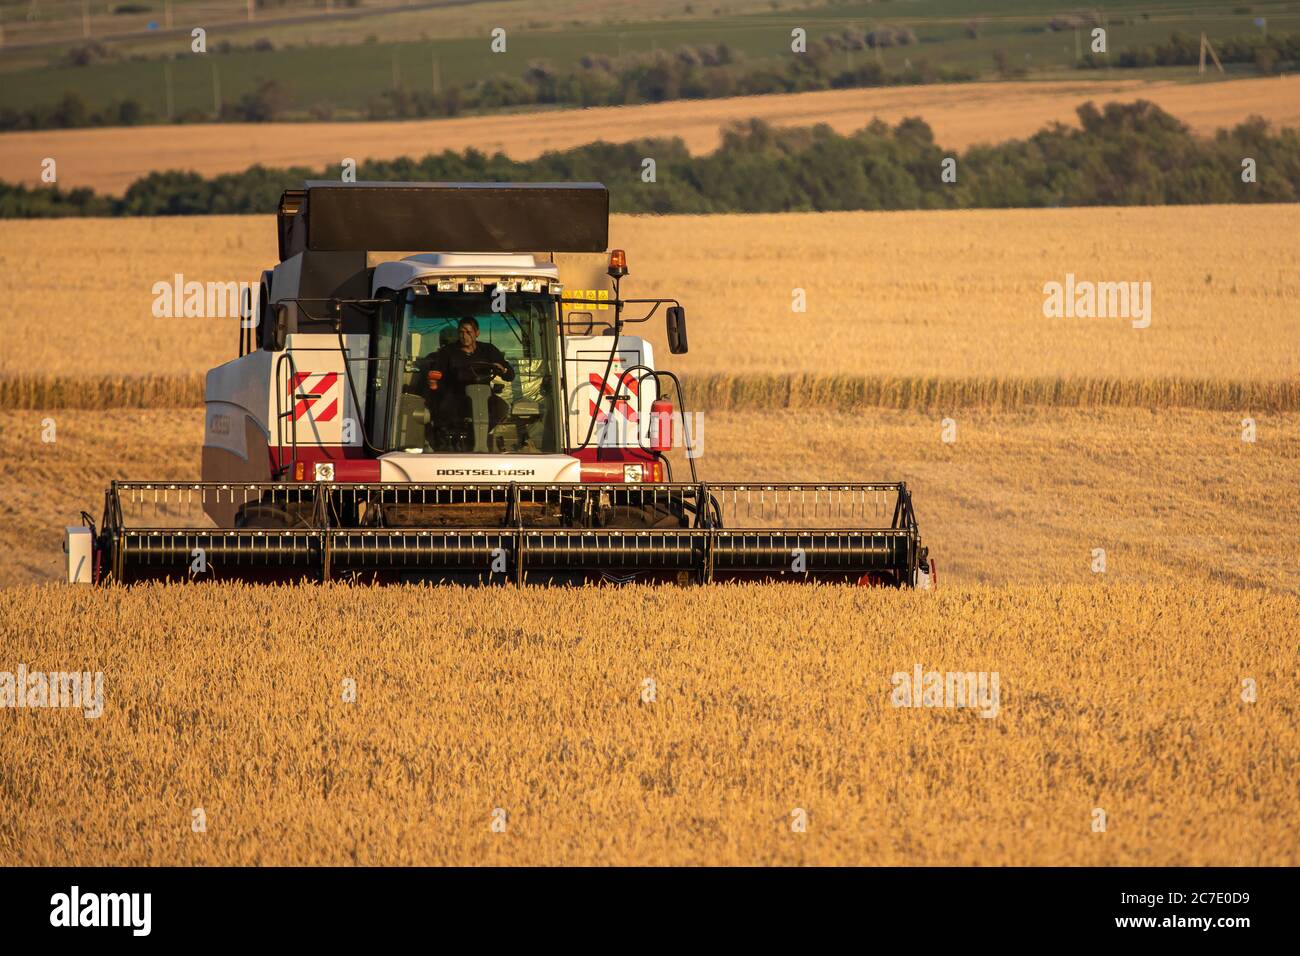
(531, 710)
(961, 115)
(516, 726)
(938, 293)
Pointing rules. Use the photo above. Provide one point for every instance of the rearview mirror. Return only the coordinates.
(284, 322)
(676, 329)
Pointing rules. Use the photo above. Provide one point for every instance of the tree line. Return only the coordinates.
(1271, 53)
(836, 61)
(843, 60)
(1120, 154)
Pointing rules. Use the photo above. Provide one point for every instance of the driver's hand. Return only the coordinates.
(499, 368)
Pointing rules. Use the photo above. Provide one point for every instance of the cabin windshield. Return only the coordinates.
(473, 379)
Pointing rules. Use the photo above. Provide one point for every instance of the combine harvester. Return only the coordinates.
(469, 416)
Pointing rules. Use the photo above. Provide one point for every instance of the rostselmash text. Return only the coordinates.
(491, 472)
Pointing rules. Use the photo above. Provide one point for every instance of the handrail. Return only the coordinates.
(681, 394)
(280, 416)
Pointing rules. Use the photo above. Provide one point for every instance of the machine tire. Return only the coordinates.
(270, 516)
(647, 516)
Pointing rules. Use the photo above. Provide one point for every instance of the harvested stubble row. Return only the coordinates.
(757, 392)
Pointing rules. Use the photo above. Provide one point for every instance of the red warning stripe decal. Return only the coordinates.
(321, 390)
(626, 380)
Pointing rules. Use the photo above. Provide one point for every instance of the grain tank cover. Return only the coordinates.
(328, 216)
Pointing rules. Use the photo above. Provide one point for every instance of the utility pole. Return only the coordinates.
(167, 84)
(1207, 46)
(167, 14)
(437, 76)
(85, 18)
(250, 11)
(216, 90)
(1213, 55)
(1077, 53)
(397, 72)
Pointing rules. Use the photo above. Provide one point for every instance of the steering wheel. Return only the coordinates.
(484, 368)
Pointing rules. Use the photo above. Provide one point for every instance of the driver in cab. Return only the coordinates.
(460, 364)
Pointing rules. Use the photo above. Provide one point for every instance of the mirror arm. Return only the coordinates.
(654, 303)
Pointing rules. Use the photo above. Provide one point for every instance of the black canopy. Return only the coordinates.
(328, 216)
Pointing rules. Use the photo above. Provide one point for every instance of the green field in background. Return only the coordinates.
(346, 77)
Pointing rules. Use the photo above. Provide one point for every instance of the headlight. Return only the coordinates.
(633, 472)
(324, 471)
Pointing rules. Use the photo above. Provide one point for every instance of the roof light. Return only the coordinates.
(617, 263)
(471, 286)
(530, 285)
(420, 289)
(446, 285)
(557, 288)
